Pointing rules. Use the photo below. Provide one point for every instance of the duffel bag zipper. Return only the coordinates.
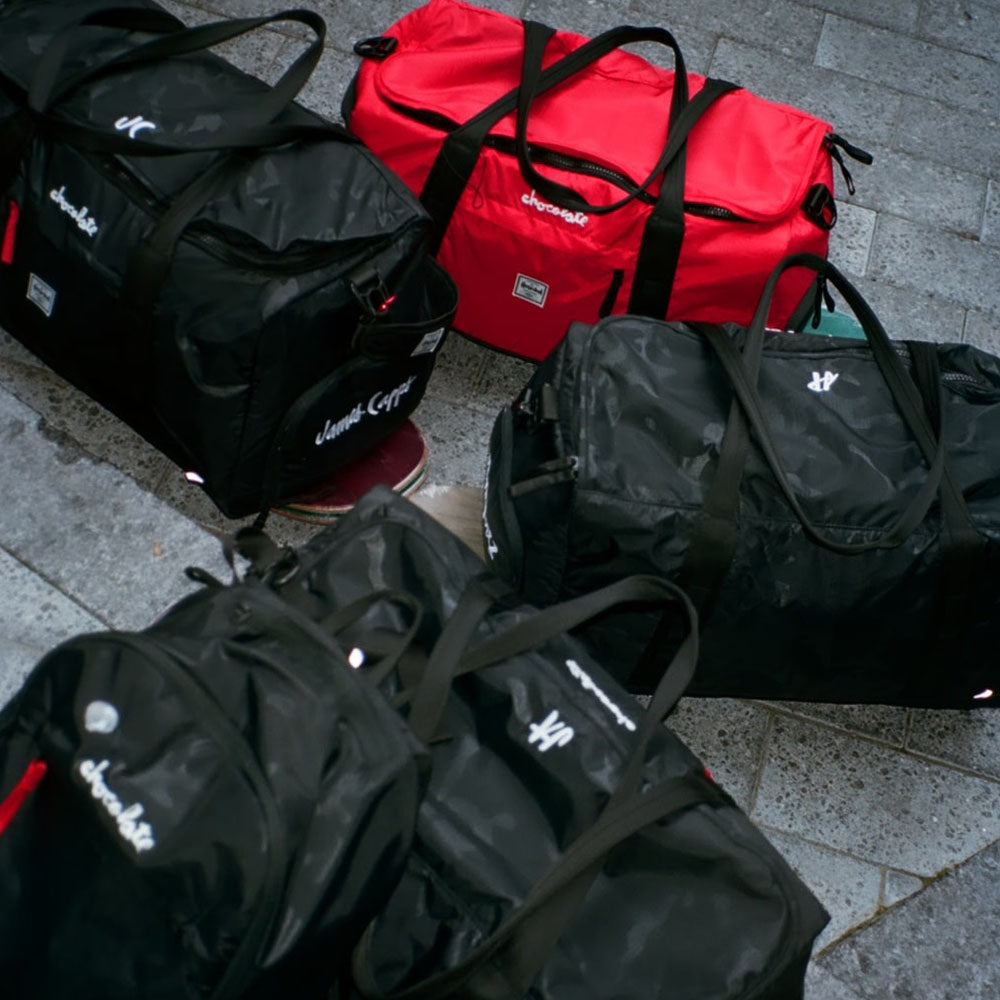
(563, 161)
(274, 261)
(235, 978)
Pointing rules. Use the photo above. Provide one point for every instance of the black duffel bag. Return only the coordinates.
(238, 279)
(568, 845)
(833, 506)
(213, 807)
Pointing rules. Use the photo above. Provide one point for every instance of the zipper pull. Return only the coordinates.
(7, 246)
(832, 141)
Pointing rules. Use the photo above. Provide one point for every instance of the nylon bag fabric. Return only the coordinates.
(568, 844)
(569, 180)
(237, 278)
(832, 505)
(223, 804)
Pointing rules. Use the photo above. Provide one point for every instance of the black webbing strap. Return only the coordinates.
(663, 233)
(504, 965)
(459, 153)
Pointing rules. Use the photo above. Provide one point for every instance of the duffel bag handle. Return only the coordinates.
(516, 951)
(904, 391)
(451, 656)
(456, 160)
(47, 87)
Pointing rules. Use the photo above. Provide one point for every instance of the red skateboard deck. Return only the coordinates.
(399, 461)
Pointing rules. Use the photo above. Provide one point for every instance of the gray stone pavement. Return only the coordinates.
(891, 816)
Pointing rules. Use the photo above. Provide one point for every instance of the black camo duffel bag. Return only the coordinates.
(238, 279)
(833, 506)
(214, 807)
(569, 845)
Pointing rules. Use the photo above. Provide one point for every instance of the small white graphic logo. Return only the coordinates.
(380, 402)
(133, 125)
(550, 732)
(573, 218)
(42, 294)
(100, 717)
(823, 382)
(587, 683)
(85, 222)
(531, 290)
(428, 343)
(492, 549)
(139, 835)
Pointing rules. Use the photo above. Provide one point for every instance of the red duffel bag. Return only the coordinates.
(560, 193)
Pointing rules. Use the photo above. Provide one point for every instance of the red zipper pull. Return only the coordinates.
(27, 783)
(7, 247)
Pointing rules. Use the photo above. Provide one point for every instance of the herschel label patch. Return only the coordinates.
(43, 295)
(531, 290)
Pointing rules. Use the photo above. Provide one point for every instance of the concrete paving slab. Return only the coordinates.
(34, 617)
(502, 379)
(968, 739)
(910, 313)
(588, 17)
(74, 418)
(886, 723)
(728, 736)
(851, 238)
(848, 888)
(788, 28)
(908, 254)
(966, 140)
(897, 886)
(458, 437)
(458, 368)
(117, 551)
(821, 985)
(861, 111)
(991, 217)
(964, 25)
(939, 945)
(253, 53)
(926, 192)
(982, 330)
(875, 803)
(908, 64)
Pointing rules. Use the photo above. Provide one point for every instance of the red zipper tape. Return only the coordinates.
(28, 782)
(7, 249)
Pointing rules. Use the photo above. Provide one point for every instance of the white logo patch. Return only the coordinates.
(100, 717)
(139, 835)
(531, 290)
(823, 382)
(550, 732)
(587, 683)
(43, 295)
(133, 125)
(84, 222)
(380, 402)
(567, 215)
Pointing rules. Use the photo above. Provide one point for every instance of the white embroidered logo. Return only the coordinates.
(381, 402)
(587, 683)
(79, 215)
(550, 732)
(139, 835)
(133, 125)
(573, 218)
(492, 549)
(100, 717)
(823, 382)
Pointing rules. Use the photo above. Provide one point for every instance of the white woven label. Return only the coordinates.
(531, 290)
(43, 295)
